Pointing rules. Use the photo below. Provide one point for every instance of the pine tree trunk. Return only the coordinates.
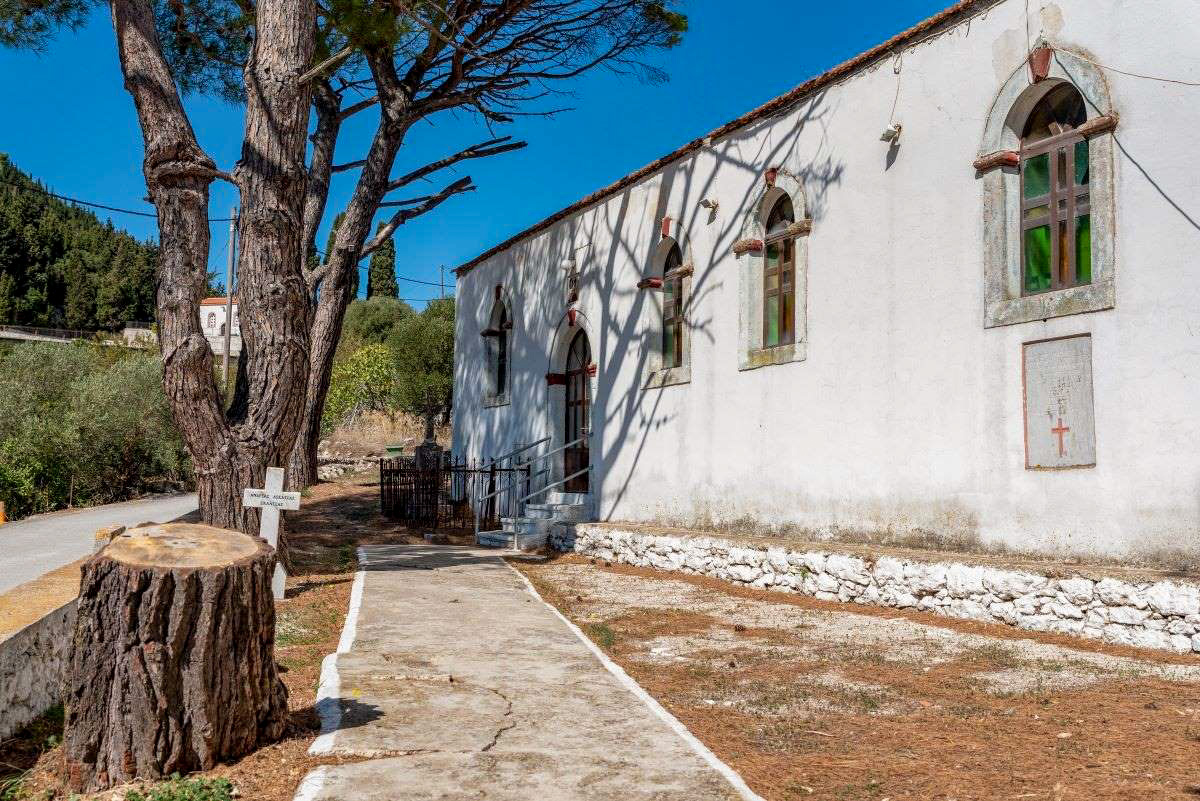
(172, 667)
(230, 451)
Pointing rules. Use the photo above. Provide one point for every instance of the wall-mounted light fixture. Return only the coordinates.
(891, 134)
(569, 263)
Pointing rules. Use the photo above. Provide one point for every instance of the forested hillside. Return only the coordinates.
(61, 267)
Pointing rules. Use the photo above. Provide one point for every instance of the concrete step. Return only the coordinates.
(573, 512)
(568, 497)
(504, 540)
(542, 510)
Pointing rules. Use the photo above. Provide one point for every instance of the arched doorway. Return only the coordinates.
(578, 409)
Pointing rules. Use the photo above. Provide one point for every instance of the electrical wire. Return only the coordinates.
(79, 202)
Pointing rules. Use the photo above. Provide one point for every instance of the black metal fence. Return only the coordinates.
(447, 496)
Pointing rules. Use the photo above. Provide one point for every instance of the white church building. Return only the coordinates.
(946, 293)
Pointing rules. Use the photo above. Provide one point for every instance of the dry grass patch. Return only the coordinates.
(812, 700)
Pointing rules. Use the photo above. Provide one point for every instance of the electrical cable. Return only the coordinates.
(77, 201)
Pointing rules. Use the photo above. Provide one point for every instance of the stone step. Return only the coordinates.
(504, 540)
(558, 498)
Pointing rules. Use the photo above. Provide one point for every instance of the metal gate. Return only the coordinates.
(446, 495)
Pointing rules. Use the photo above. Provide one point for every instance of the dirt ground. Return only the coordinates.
(815, 700)
(334, 518)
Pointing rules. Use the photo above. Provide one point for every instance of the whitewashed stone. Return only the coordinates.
(923, 578)
(1077, 590)
(1168, 598)
(826, 596)
(963, 581)
(1127, 615)
(847, 568)
(1004, 610)
(743, 573)
(1027, 605)
(1196, 643)
(826, 583)
(1066, 610)
(814, 561)
(777, 559)
(888, 570)
(1119, 593)
(1009, 584)
(1178, 626)
(1181, 643)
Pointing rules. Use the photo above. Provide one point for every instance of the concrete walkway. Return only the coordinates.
(37, 545)
(457, 682)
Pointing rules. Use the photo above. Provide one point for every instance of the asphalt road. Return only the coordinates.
(37, 545)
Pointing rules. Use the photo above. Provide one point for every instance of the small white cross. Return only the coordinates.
(271, 499)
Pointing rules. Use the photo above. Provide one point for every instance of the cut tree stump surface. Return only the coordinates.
(172, 665)
(177, 546)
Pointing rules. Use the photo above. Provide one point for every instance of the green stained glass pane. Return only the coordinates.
(788, 317)
(669, 336)
(772, 338)
(1036, 175)
(1083, 249)
(1083, 169)
(1037, 259)
(773, 255)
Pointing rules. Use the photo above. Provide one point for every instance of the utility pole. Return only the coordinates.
(442, 280)
(233, 221)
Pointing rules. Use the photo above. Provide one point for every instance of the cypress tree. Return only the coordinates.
(381, 278)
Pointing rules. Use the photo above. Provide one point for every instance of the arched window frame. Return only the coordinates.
(751, 250)
(497, 337)
(669, 305)
(1006, 300)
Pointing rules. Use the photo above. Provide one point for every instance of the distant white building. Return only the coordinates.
(212, 322)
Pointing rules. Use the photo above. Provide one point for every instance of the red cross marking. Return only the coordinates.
(1060, 429)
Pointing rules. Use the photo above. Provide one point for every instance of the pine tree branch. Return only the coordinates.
(463, 184)
(489, 148)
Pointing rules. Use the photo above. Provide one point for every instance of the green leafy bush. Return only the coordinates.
(364, 381)
(178, 789)
(82, 424)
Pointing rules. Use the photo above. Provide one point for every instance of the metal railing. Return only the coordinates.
(529, 475)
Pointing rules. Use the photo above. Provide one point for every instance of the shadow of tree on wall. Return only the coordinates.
(623, 413)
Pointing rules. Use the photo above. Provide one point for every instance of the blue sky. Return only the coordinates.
(72, 124)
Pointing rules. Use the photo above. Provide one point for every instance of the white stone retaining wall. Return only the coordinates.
(1162, 614)
(32, 665)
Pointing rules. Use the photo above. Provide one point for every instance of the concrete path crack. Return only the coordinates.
(512, 724)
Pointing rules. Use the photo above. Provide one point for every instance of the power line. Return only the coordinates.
(79, 202)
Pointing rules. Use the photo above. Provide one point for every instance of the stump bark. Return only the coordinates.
(172, 666)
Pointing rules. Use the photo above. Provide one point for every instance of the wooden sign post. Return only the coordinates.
(271, 499)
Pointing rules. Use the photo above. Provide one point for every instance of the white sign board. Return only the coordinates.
(271, 499)
(1060, 418)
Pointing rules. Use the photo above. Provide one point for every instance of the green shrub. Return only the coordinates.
(178, 789)
(371, 321)
(82, 424)
(364, 381)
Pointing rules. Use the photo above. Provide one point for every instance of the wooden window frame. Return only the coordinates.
(784, 289)
(672, 308)
(1065, 203)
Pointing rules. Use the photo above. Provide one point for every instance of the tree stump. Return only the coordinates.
(172, 667)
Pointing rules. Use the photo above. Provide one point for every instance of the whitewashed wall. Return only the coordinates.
(905, 419)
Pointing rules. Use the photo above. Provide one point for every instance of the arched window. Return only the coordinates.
(500, 376)
(496, 337)
(1056, 222)
(1046, 168)
(779, 276)
(672, 310)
